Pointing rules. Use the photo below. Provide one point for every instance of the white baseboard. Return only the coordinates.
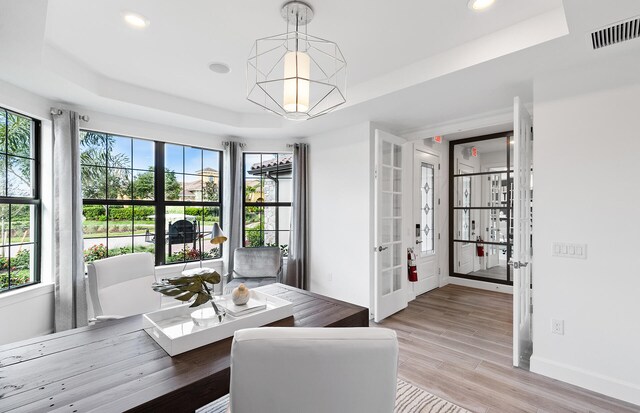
(628, 392)
(482, 285)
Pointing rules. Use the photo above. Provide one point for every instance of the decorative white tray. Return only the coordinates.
(176, 332)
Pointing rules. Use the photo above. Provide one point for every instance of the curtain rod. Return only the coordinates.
(226, 143)
(56, 111)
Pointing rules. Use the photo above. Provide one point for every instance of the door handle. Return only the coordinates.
(517, 264)
(418, 242)
(381, 248)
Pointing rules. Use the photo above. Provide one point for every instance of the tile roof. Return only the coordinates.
(286, 159)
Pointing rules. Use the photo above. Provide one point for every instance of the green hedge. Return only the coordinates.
(94, 213)
(98, 213)
(199, 212)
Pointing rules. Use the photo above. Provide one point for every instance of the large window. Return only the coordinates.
(267, 204)
(19, 200)
(129, 206)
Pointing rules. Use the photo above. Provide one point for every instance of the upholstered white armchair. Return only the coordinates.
(254, 267)
(313, 370)
(121, 286)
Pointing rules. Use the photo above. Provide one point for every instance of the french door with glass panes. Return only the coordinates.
(465, 225)
(390, 257)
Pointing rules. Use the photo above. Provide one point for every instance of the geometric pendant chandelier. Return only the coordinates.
(294, 74)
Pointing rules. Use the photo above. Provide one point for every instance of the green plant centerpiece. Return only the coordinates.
(193, 283)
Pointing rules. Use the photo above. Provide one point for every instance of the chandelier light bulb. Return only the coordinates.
(296, 84)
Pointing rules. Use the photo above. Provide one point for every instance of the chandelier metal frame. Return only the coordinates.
(319, 69)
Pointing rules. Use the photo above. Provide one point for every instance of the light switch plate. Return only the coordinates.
(567, 250)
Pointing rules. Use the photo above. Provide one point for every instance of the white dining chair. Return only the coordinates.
(313, 370)
(121, 286)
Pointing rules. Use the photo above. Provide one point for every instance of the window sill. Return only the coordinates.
(26, 293)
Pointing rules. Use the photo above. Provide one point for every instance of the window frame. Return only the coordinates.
(35, 200)
(263, 204)
(159, 201)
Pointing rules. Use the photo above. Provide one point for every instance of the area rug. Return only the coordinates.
(409, 399)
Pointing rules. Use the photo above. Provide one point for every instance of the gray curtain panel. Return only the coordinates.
(68, 262)
(298, 261)
(232, 193)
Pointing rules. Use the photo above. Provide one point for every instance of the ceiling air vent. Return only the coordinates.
(616, 33)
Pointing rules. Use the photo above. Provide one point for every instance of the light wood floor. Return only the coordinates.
(497, 273)
(455, 342)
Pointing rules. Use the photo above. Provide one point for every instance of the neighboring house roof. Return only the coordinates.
(193, 186)
(196, 185)
(280, 163)
(208, 172)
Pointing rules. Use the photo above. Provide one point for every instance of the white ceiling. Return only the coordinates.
(412, 63)
(172, 55)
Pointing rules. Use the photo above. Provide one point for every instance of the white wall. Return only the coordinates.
(586, 146)
(339, 209)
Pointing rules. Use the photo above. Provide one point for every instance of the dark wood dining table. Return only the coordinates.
(117, 367)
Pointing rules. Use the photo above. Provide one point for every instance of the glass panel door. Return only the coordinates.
(482, 227)
(390, 258)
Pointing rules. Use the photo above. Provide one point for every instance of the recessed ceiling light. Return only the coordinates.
(221, 68)
(480, 4)
(136, 20)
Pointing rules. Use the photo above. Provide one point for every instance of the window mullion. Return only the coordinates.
(160, 202)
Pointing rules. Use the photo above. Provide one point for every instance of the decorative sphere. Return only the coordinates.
(240, 295)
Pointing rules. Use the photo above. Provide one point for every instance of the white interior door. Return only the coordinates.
(390, 275)
(492, 226)
(522, 343)
(425, 219)
(463, 221)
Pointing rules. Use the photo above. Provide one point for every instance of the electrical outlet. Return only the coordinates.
(557, 327)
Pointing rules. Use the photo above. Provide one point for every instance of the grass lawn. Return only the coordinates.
(98, 229)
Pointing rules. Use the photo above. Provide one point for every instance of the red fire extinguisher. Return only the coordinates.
(480, 247)
(411, 264)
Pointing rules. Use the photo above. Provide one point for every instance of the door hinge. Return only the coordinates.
(438, 201)
(438, 166)
(438, 235)
(375, 173)
(438, 271)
